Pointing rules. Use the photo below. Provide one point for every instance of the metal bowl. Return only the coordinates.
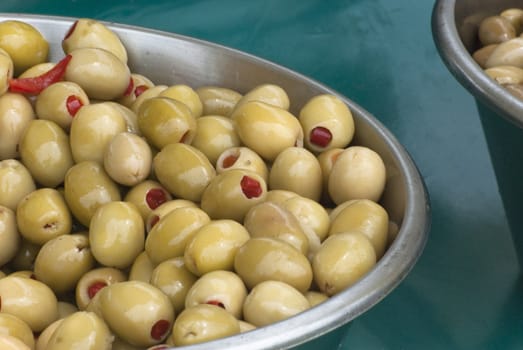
(172, 59)
(454, 26)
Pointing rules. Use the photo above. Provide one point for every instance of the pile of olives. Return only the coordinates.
(142, 216)
(501, 49)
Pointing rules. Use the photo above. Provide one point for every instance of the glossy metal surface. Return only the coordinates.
(169, 59)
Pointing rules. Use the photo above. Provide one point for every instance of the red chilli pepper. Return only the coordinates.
(35, 85)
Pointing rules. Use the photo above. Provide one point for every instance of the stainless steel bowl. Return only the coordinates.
(454, 27)
(170, 59)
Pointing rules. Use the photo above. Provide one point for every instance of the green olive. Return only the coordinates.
(130, 117)
(507, 53)
(242, 158)
(187, 96)
(271, 94)
(24, 43)
(264, 258)
(169, 237)
(140, 83)
(45, 335)
(280, 196)
(116, 234)
(43, 215)
(327, 159)
(128, 159)
(273, 301)
(203, 323)
(91, 33)
(147, 196)
(151, 92)
(342, 260)
(163, 209)
(92, 281)
(119, 344)
(269, 219)
(62, 261)
(142, 268)
(23, 273)
(515, 16)
(246, 326)
(505, 74)
(296, 169)
(357, 173)
(217, 100)
(15, 327)
(495, 29)
(163, 120)
(83, 330)
(137, 312)
(15, 183)
(37, 69)
(221, 288)
(184, 170)
(25, 256)
(256, 122)
(310, 214)
(315, 297)
(66, 308)
(174, 279)
(482, 54)
(8, 342)
(30, 300)
(86, 187)
(15, 114)
(6, 71)
(327, 123)
(10, 239)
(214, 246)
(92, 129)
(214, 135)
(232, 193)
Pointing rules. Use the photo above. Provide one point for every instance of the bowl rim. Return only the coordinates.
(469, 74)
(389, 271)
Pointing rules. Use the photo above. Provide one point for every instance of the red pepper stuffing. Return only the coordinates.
(154, 221)
(250, 187)
(35, 85)
(216, 302)
(155, 197)
(140, 89)
(95, 288)
(160, 329)
(320, 136)
(73, 104)
(229, 160)
(71, 30)
(130, 87)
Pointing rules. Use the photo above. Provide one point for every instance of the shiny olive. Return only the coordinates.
(6, 71)
(269, 219)
(66, 308)
(128, 159)
(116, 234)
(151, 92)
(43, 215)
(23, 273)
(327, 159)
(515, 17)
(327, 123)
(45, 151)
(169, 237)
(30, 300)
(15, 183)
(271, 94)
(81, 330)
(37, 69)
(92, 129)
(166, 207)
(507, 53)
(130, 117)
(495, 29)
(310, 214)
(280, 196)
(147, 196)
(221, 288)
(242, 158)
(86, 187)
(142, 268)
(392, 232)
(62, 261)
(24, 43)
(482, 54)
(505, 74)
(137, 312)
(15, 327)
(515, 89)
(214, 135)
(99, 72)
(203, 323)
(357, 173)
(15, 114)
(273, 301)
(217, 100)
(86, 32)
(232, 193)
(163, 120)
(264, 258)
(8, 342)
(257, 122)
(59, 102)
(10, 239)
(119, 344)
(174, 279)
(45, 335)
(187, 96)
(140, 83)
(25, 256)
(342, 260)
(92, 281)
(246, 326)
(315, 298)
(184, 170)
(297, 170)
(214, 246)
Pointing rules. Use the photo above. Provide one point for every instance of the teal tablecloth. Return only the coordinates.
(465, 292)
